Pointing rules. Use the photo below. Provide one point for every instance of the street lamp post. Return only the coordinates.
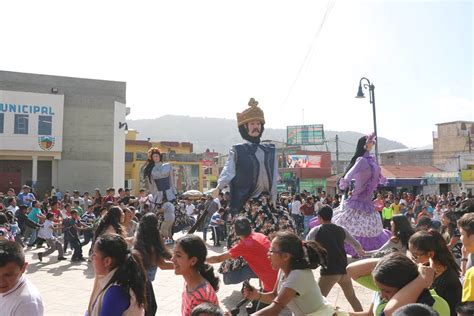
(360, 94)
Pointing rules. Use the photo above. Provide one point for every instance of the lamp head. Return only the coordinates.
(360, 93)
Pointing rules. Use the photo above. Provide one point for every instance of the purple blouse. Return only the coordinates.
(367, 176)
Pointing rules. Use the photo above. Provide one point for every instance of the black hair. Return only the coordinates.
(10, 200)
(194, 246)
(242, 226)
(325, 212)
(207, 308)
(10, 216)
(49, 216)
(148, 241)
(244, 133)
(360, 151)
(415, 309)
(150, 163)
(3, 218)
(130, 274)
(395, 270)
(304, 254)
(11, 251)
(112, 218)
(425, 241)
(403, 229)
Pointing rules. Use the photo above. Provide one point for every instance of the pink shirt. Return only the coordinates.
(203, 293)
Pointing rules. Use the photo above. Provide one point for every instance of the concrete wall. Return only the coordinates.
(89, 125)
(451, 140)
(410, 158)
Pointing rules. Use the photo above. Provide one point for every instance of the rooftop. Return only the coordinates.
(453, 122)
(407, 172)
(401, 150)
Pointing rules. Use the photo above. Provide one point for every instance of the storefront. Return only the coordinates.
(443, 182)
(467, 180)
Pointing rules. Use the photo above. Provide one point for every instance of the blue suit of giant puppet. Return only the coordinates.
(251, 168)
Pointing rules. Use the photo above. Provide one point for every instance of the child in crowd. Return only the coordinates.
(466, 228)
(200, 282)
(18, 296)
(46, 232)
(5, 233)
(88, 220)
(296, 287)
(72, 225)
(387, 215)
(429, 247)
(217, 226)
(397, 282)
(149, 245)
(119, 287)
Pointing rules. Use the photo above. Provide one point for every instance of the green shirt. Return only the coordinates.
(387, 213)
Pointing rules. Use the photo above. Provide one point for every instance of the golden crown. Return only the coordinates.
(252, 114)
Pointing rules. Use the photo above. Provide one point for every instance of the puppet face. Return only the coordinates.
(254, 128)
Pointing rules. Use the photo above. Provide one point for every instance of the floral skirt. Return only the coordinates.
(365, 226)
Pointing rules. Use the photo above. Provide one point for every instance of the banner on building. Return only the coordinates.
(305, 135)
(303, 161)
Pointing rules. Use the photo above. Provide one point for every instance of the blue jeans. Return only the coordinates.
(205, 226)
(307, 219)
(33, 233)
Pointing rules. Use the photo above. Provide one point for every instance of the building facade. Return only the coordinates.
(61, 131)
(187, 166)
(419, 156)
(453, 152)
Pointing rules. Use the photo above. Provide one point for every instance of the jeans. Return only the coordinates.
(76, 245)
(54, 245)
(32, 233)
(217, 234)
(205, 226)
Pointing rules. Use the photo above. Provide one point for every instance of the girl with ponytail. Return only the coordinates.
(200, 282)
(296, 287)
(429, 248)
(119, 286)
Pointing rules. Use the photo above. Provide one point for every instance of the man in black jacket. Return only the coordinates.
(332, 238)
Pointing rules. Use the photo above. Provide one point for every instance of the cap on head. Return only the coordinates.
(254, 113)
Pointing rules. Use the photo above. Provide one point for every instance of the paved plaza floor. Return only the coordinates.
(66, 287)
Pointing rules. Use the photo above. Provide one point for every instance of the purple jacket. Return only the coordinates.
(367, 176)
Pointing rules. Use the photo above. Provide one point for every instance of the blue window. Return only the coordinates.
(2, 117)
(128, 157)
(45, 125)
(21, 124)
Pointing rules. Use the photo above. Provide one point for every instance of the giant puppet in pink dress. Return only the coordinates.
(357, 214)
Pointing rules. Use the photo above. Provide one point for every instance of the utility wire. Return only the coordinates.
(329, 7)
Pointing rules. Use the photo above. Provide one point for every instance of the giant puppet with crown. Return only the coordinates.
(251, 168)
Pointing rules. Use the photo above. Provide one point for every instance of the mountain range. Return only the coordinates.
(217, 134)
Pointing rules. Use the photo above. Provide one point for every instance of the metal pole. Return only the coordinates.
(337, 154)
(372, 100)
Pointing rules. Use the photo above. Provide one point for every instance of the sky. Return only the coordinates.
(302, 60)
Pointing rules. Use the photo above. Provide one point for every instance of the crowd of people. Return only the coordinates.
(427, 259)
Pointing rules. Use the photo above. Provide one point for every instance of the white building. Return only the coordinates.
(62, 132)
